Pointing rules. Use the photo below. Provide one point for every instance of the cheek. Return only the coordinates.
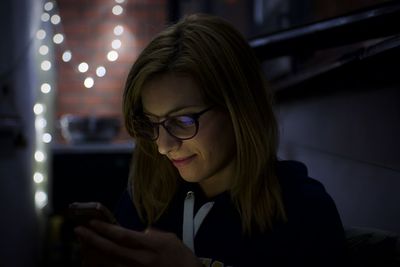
(217, 140)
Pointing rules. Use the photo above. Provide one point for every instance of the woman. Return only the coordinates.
(206, 188)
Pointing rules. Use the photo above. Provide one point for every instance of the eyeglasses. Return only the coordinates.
(182, 127)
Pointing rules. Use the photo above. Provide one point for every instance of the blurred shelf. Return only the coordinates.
(370, 23)
(85, 148)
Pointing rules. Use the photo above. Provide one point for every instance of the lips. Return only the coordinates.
(180, 162)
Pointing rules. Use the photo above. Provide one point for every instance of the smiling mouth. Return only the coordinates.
(183, 161)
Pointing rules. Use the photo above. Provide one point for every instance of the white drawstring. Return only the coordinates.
(191, 224)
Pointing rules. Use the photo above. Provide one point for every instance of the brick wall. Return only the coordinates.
(88, 30)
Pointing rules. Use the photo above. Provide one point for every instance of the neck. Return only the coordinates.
(219, 182)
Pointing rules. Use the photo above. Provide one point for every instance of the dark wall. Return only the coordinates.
(19, 229)
(345, 126)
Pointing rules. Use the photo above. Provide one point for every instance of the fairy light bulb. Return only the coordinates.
(40, 123)
(89, 82)
(58, 38)
(46, 138)
(100, 71)
(116, 44)
(117, 10)
(41, 34)
(45, 88)
(41, 199)
(38, 177)
(38, 108)
(55, 19)
(48, 6)
(45, 17)
(83, 67)
(39, 156)
(112, 55)
(45, 65)
(43, 50)
(67, 56)
(118, 30)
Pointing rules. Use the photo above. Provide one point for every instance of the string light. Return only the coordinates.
(50, 17)
(43, 50)
(117, 10)
(100, 71)
(58, 38)
(40, 123)
(46, 138)
(39, 156)
(116, 44)
(55, 19)
(66, 57)
(38, 108)
(45, 17)
(118, 30)
(45, 65)
(38, 177)
(41, 199)
(41, 34)
(45, 88)
(48, 6)
(112, 55)
(83, 67)
(89, 82)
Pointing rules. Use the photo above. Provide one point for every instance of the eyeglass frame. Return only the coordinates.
(194, 116)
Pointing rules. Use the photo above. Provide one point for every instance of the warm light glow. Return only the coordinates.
(41, 34)
(118, 30)
(117, 10)
(55, 19)
(89, 82)
(48, 6)
(38, 177)
(116, 44)
(40, 199)
(66, 56)
(45, 17)
(58, 38)
(46, 138)
(112, 55)
(43, 50)
(40, 123)
(100, 71)
(119, 1)
(83, 67)
(39, 156)
(46, 65)
(45, 88)
(38, 108)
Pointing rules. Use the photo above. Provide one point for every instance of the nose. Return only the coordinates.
(166, 142)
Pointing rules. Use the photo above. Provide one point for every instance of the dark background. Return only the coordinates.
(337, 101)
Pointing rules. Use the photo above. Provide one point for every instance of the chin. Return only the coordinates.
(190, 177)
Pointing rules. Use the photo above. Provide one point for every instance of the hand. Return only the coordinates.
(109, 245)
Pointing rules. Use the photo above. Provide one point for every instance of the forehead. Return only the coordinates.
(165, 92)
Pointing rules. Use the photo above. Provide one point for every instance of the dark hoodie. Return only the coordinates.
(312, 236)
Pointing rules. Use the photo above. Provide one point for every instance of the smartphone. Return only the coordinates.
(82, 212)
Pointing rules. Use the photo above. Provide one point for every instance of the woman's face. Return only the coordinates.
(207, 158)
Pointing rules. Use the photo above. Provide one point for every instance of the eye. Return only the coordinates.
(182, 121)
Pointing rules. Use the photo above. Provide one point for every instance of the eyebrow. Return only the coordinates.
(174, 110)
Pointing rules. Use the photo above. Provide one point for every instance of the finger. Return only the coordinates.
(120, 235)
(116, 253)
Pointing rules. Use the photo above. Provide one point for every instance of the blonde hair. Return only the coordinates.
(217, 56)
